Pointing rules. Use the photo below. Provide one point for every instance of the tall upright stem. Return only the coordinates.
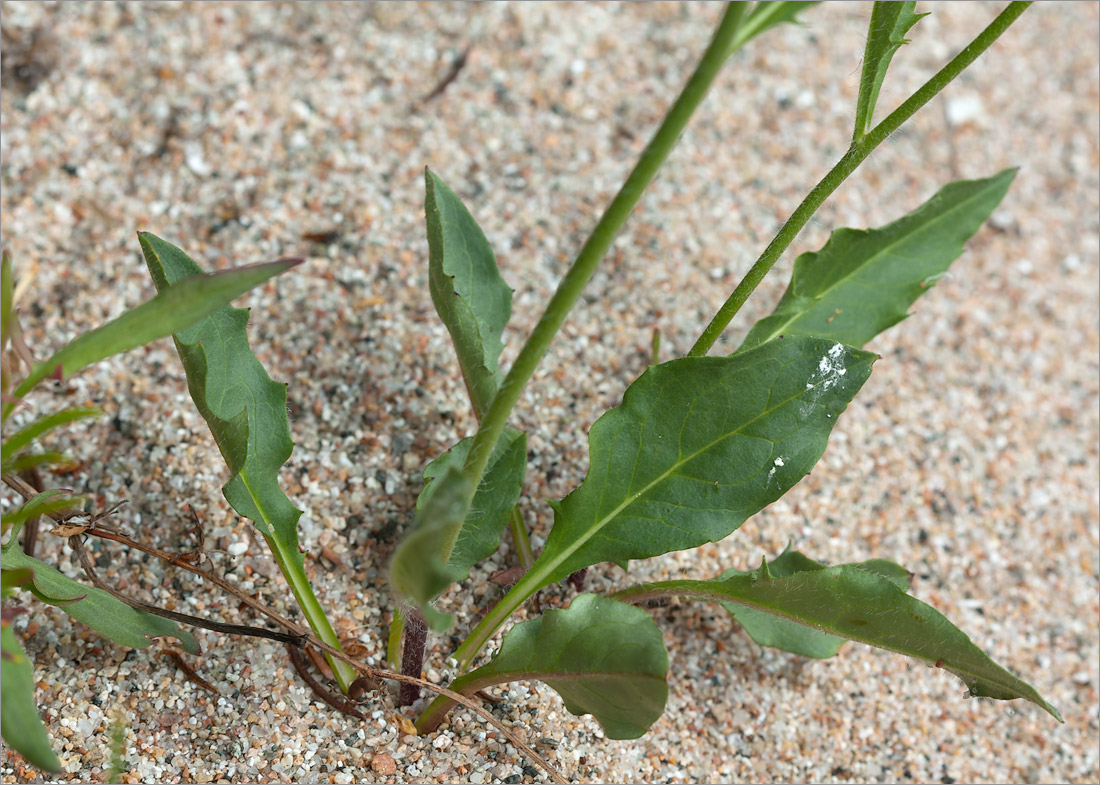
(571, 286)
(844, 167)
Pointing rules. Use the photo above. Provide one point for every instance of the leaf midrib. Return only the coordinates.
(692, 589)
(600, 524)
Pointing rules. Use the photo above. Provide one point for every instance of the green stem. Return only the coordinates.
(520, 539)
(569, 290)
(844, 167)
(312, 610)
(497, 615)
(533, 580)
(393, 643)
(635, 595)
(571, 286)
(467, 685)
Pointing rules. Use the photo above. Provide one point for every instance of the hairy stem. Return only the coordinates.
(412, 654)
(844, 167)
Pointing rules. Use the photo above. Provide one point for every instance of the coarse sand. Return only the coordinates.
(249, 131)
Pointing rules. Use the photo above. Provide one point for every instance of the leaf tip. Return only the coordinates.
(287, 262)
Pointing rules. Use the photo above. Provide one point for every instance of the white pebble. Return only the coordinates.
(963, 109)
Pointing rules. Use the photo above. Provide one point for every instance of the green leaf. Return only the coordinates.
(28, 460)
(245, 409)
(857, 604)
(246, 413)
(698, 446)
(492, 504)
(41, 426)
(49, 501)
(418, 572)
(95, 607)
(24, 731)
(603, 657)
(469, 294)
(890, 21)
(863, 281)
(10, 580)
(777, 632)
(764, 16)
(169, 312)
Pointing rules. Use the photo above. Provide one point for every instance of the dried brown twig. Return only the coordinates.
(341, 704)
(188, 671)
(300, 635)
(86, 562)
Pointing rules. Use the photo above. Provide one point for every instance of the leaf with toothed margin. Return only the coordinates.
(779, 633)
(244, 408)
(863, 281)
(603, 657)
(890, 21)
(95, 607)
(246, 412)
(471, 298)
(698, 445)
(858, 604)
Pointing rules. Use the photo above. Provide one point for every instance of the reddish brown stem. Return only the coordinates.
(414, 639)
(301, 664)
(183, 618)
(191, 674)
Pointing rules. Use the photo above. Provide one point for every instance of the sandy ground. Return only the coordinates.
(245, 132)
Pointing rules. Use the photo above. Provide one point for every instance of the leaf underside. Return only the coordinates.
(603, 657)
(777, 632)
(890, 21)
(474, 303)
(699, 445)
(417, 571)
(95, 607)
(858, 604)
(244, 408)
(498, 492)
(863, 281)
